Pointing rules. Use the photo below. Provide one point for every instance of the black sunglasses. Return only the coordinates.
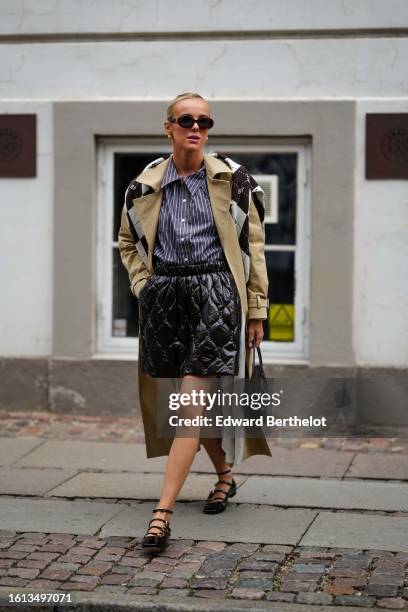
(187, 121)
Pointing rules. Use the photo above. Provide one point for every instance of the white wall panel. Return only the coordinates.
(381, 256)
(26, 246)
(232, 69)
(98, 16)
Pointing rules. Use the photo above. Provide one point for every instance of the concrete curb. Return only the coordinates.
(87, 602)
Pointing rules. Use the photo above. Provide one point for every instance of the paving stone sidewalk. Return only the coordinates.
(328, 521)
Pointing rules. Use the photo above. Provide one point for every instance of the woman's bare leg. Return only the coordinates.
(216, 453)
(217, 457)
(182, 451)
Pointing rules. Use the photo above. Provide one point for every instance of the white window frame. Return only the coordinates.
(272, 352)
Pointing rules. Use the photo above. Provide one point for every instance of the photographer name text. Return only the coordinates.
(259, 421)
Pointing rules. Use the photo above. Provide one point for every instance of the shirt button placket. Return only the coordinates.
(184, 200)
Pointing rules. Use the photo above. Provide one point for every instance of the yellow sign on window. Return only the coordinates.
(281, 319)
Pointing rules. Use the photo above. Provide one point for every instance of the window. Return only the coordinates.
(283, 171)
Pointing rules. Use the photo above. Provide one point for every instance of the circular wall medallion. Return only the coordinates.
(11, 144)
(394, 145)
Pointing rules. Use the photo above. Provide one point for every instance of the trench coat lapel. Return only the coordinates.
(220, 196)
(148, 206)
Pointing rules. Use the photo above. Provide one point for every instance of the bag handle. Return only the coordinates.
(258, 348)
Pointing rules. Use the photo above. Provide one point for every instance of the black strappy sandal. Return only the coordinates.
(217, 504)
(155, 542)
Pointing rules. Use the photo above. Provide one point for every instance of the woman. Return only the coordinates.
(179, 244)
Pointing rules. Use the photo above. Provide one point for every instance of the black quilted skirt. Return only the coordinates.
(189, 321)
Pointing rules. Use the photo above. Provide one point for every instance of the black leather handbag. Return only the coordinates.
(254, 386)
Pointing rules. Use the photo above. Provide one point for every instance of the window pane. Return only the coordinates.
(280, 326)
(125, 307)
(284, 166)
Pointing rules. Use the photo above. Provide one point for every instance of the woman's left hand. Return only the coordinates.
(255, 332)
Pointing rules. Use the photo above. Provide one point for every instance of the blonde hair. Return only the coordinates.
(184, 96)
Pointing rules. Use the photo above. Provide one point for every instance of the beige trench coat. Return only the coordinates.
(253, 295)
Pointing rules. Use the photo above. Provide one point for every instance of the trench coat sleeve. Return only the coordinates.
(257, 285)
(135, 266)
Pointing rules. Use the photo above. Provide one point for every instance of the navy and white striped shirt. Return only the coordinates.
(186, 232)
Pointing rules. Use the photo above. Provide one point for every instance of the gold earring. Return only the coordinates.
(168, 136)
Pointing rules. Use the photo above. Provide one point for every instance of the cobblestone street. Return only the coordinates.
(307, 575)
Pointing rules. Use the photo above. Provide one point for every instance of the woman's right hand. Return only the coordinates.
(255, 332)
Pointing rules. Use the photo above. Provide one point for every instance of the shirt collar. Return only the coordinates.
(170, 174)
(193, 181)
